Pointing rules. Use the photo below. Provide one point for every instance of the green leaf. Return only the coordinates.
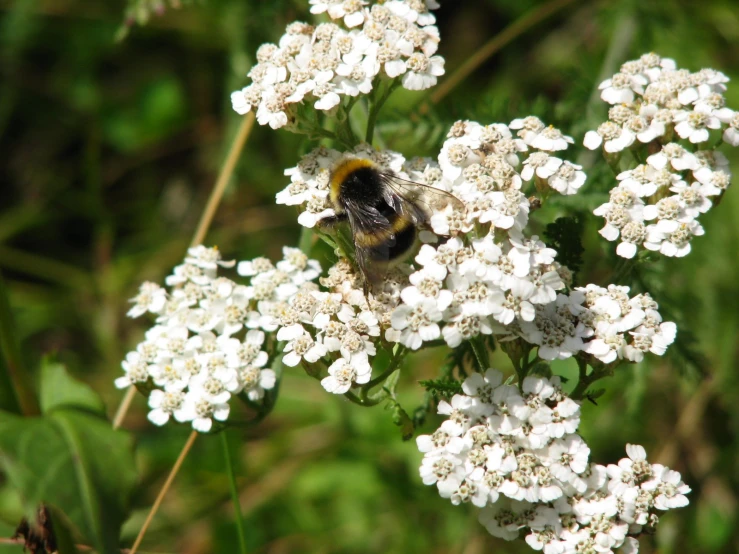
(75, 461)
(595, 395)
(401, 419)
(62, 532)
(444, 387)
(59, 389)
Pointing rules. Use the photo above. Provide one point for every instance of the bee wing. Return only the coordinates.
(370, 221)
(366, 219)
(416, 200)
(373, 269)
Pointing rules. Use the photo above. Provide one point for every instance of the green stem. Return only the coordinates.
(346, 127)
(526, 363)
(387, 391)
(585, 380)
(523, 365)
(365, 402)
(234, 494)
(305, 243)
(481, 354)
(391, 368)
(375, 107)
(623, 269)
(15, 392)
(315, 130)
(613, 161)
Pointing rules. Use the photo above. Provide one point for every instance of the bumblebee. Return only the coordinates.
(384, 213)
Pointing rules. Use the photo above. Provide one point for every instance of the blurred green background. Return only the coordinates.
(110, 149)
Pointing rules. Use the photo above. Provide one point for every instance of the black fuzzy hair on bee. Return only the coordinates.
(384, 213)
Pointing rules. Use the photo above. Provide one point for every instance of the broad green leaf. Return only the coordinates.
(59, 389)
(75, 461)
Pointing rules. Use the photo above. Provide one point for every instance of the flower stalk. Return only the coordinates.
(239, 519)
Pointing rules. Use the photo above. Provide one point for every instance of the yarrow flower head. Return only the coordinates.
(209, 340)
(656, 204)
(458, 286)
(362, 46)
(515, 453)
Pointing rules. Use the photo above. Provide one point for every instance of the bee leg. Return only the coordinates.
(331, 221)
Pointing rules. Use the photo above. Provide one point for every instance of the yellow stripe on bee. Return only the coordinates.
(369, 240)
(341, 172)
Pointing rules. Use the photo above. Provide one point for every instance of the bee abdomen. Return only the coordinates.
(394, 248)
(385, 236)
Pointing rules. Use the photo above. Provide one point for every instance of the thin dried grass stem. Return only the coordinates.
(123, 408)
(163, 491)
(223, 178)
(496, 43)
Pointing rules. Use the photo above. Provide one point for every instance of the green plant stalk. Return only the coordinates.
(376, 106)
(583, 381)
(345, 127)
(356, 119)
(16, 393)
(524, 365)
(394, 366)
(586, 380)
(305, 243)
(315, 131)
(45, 268)
(481, 354)
(391, 384)
(368, 402)
(234, 494)
(624, 268)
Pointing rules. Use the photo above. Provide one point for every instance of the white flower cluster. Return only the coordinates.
(516, 454)
(389, 40)
(656, 204)
(335, 327)
(208, 341)
(478, 164)
(620, 327)
(658, 192)
(653, 99)
(502, 281)
(340, 329)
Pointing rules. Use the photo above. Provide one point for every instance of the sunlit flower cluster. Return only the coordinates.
(479, 273)
(208, 343)
(652, 99)
(621, 327)
(668, 115)
(335, 331)
(346, 58)
(515, 453)
(483, 166)
(656, 205)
